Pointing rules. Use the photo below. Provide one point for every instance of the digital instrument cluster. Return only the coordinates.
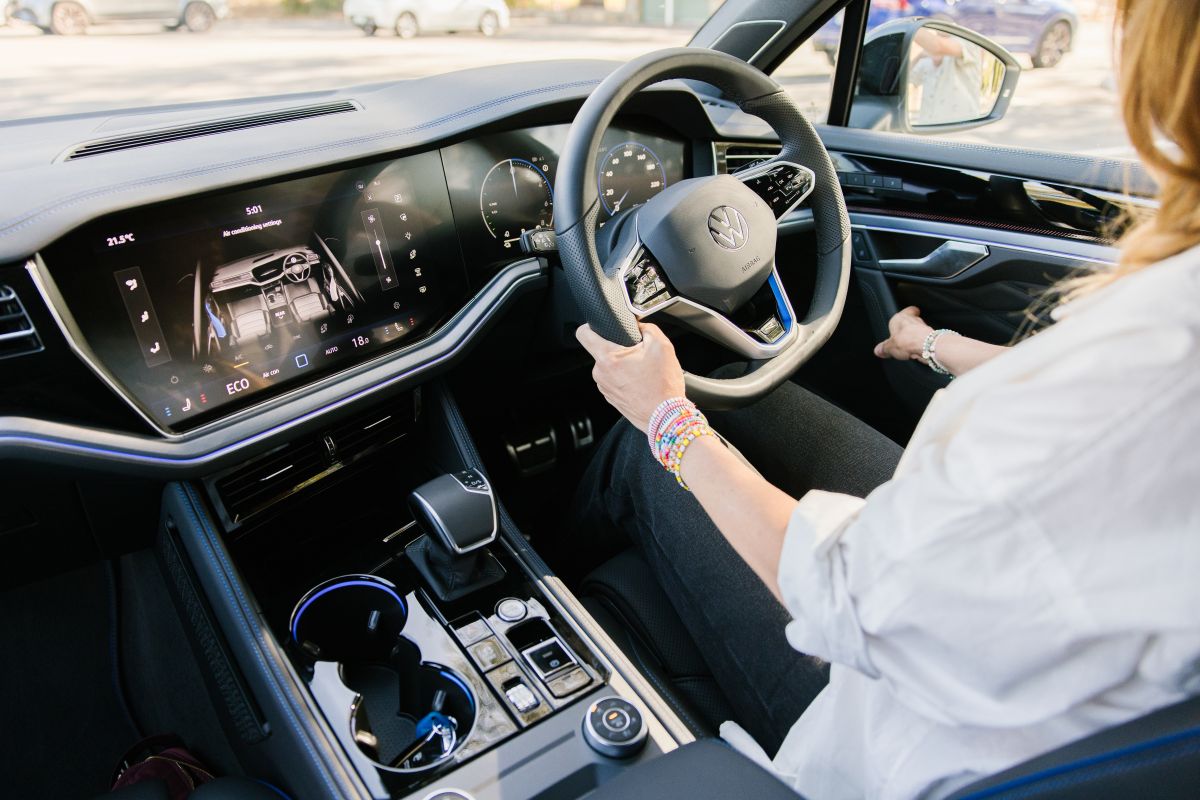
(502, 184)
(202, 306)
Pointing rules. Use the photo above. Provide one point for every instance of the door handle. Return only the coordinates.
(950, 259)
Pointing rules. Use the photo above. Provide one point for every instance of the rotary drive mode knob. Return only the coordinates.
(614, 727)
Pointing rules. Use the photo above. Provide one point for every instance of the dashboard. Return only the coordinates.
(200, 307)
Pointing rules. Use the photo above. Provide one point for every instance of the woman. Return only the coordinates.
(1025, 576)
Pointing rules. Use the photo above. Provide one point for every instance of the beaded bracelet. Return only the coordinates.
(929, 351)
(670, 431)
(692, 433)
(675, 424)
(665, 408)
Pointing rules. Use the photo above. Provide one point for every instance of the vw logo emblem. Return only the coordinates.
(728, 227)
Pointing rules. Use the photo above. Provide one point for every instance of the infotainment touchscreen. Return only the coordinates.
(201, 306)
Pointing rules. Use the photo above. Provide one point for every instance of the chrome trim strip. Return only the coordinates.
(57, 307)
(877, 224)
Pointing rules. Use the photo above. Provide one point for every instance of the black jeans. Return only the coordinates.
(798, 442)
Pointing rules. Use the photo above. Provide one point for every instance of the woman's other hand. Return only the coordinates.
(906, 339)
(634, 379)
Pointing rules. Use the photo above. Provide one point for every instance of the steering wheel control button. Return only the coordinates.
(548, 657)
(771, 330)
(614, 727)
(489, 653)
(782, 185)
(522, 698)
(510, 609)
(569, 683)
(645, 285)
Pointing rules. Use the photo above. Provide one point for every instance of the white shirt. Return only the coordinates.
(1032, 572)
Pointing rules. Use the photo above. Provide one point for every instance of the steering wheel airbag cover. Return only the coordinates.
(714, 237)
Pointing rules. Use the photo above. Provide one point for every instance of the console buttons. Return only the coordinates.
(473, 632)
(614, 727)
(505, 677)
(489, 653)
(510, 609)
(568, 684)
(522, 698)
(548, 657)
(149, 334)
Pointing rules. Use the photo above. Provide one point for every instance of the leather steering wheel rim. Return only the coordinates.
(600, 292)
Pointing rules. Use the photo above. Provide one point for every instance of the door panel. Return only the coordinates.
(1001, 296)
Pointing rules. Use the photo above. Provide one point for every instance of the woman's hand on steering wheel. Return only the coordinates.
(634, 380)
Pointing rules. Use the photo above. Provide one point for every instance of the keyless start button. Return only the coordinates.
(510, 609)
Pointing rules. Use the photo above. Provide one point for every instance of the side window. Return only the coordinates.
(1065, 99)
(807, 74)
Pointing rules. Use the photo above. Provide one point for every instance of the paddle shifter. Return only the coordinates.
(457, 512)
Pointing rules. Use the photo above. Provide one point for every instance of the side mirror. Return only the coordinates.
(926, 76)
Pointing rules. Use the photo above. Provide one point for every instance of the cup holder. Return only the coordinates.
(352, 618)
(410, 715)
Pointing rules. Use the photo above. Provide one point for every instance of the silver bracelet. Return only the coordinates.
(929, 351)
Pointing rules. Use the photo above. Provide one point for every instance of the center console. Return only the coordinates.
(436, 653)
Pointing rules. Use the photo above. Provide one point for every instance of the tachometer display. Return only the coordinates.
(515, 197)
(629, 175)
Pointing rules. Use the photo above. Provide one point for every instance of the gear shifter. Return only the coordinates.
(457, 512)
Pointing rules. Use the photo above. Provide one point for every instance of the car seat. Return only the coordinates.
(1154, 756)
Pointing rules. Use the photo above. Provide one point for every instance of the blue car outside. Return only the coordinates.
(1043, 29)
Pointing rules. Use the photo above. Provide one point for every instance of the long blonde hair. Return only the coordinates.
(1159, 68)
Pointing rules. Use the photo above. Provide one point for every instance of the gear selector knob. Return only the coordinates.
(458, 510)
(458, 514)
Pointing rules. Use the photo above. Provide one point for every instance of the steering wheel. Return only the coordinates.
(702, 251)
(296, 268)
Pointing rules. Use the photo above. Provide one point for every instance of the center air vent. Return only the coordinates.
(735, 157)
(251, 488)
(17, 334)
(209, 128)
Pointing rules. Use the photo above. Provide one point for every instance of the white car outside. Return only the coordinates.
(409, 18)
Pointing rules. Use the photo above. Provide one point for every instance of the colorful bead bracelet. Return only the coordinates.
(674, 425)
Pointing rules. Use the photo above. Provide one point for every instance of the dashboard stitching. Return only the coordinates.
(15, 224)
(190, 507)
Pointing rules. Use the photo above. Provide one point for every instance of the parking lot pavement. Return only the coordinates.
(1069, 108)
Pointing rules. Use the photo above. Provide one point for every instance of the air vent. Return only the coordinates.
(18, 337)
(252, 488)
(210, 128)
(735, 157)
(263, 482)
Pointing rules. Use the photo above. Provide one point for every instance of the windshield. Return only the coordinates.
(92, 55)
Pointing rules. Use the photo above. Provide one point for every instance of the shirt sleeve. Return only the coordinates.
(965, 583)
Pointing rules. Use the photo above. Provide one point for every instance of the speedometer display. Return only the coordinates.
(504, 183)
(629, 175)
